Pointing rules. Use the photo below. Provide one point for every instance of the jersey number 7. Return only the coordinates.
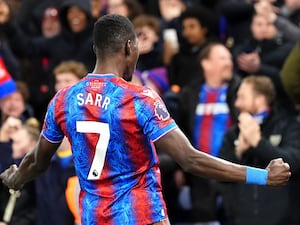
(101, 147)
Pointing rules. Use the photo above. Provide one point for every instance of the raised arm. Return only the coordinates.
(194, 161)
(33, 164)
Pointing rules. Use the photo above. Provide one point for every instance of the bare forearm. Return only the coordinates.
(197, 162)
(205, 165)
(28, 170)
(194, 161)
(33, 164)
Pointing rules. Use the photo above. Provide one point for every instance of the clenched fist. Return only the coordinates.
(279, 172)
(7, 177)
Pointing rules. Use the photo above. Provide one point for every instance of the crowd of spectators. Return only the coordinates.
(212, 62)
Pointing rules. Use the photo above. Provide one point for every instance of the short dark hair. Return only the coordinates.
(111, 32)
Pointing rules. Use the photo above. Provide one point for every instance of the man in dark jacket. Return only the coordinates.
(264, 132)
(217, 69)
(204, 111)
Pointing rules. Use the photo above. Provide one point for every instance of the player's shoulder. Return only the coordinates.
(60, 93)
(139, 91)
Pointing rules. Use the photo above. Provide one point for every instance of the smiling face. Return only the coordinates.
(77, 19)
(219, 63)
(13, 105)
(255, 94)
(245, 101)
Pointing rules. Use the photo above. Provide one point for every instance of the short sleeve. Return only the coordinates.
(154, 116)
(51, 130)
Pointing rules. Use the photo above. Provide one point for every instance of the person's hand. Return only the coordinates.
(4, 12)
(2, 223)
(249, 129)
(241, 146)
(278, 172)
(266, 9)
(9, 127)
(170, 9)
(7, 177)
(249, 62)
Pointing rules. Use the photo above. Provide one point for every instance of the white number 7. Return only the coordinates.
(101, 146)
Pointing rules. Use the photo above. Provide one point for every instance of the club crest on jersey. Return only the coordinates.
(95, 84)
(161, 111)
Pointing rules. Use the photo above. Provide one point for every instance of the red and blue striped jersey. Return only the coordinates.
(112, 125)
(212, 119)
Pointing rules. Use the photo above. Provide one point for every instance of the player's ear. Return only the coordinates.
(127, 48)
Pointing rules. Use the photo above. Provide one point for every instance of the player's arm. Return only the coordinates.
(34, 163)
(191, 160)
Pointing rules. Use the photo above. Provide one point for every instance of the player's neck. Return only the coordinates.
(108, 68)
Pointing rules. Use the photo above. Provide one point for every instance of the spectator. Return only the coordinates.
(169, 12)
(97, 8)
(171, 9)
(128, 8)
(205, 111)
(197, 30)
(68, 73)
(16, 104)
(37, 74)
(28, 14)
(263, 54)
(209, 100)
(150, 70)
(120, 178)
(60, 176)
(286, 18)
(263, 133)
(236, 18)
(16, 139)
(74, 42)
(50, 24)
